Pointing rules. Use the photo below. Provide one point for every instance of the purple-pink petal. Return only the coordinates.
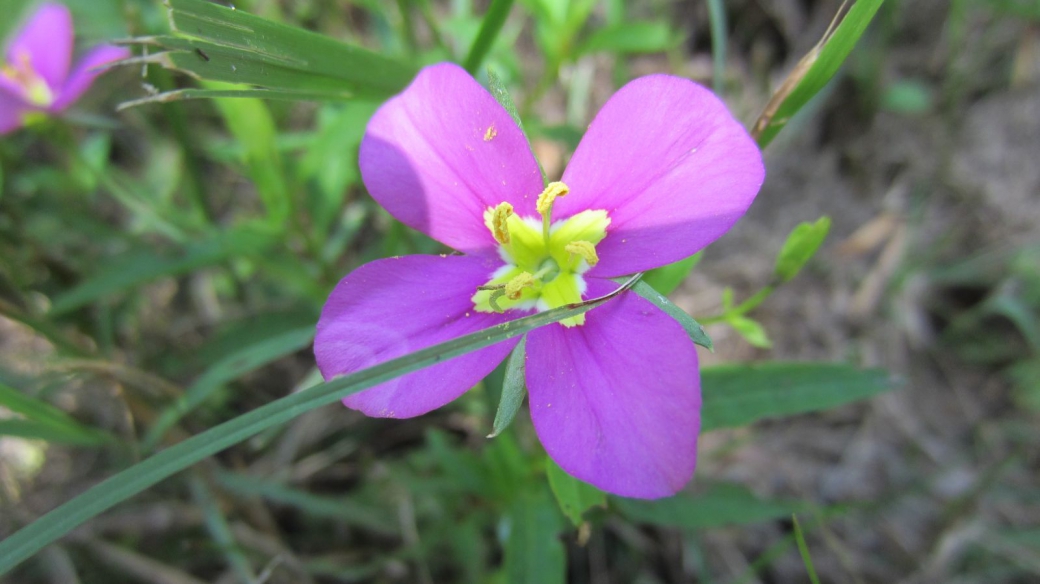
(85, 73)
(670, 165)
(443, 151)
(46, 38)
(616, 402)
(394, 306)
(12, 110)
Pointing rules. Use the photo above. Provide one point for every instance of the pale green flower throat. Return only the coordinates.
(544, 260)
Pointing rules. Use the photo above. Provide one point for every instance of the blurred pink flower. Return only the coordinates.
(35, 76)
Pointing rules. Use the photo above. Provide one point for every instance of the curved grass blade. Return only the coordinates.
(494, 18)
(803, 549)
(45, 530)
(814, 71)
(692, 327)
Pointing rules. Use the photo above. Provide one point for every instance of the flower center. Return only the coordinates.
(544, 260)
(34, 87)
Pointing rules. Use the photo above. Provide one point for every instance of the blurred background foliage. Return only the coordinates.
(162, 268)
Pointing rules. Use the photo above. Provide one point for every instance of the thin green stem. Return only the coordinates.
(717, 16)
(741, 309)
(494, 19)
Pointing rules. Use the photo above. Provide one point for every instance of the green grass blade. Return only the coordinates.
(737, 395)
(220, 531)
(574, 496)
(231, 367)
(494, 18)
(320, 507)
(717, 17)
(257, 93)
(533, 551)
(814, 71)
(513, 390)
(223, 44)
(142, 266)
(630, 38)
(35, 430)
(804, 551)
(45, 530)
(691, 326)
(722, 504)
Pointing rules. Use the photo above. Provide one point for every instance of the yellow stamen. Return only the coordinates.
(585, 249)
(548, 196)
(499, 222)
(515, 287)
(21, 71)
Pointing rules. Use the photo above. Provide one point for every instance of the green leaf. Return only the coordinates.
(814, 71)
(534, 553)
(494, 18)
(750, 329)
(804, 551)
(801, 245)
(45, 530)
(35, 430)
(502, 96)
(738, 395)
(513, 390)
(231, 367)
(667, 278)
(252, 125)
(574, 496)
(630, 38)
(141, 266)
(223, 44)
(721, 505)
(337, 508)
(692, 327)
(45, 422)
(257, 92)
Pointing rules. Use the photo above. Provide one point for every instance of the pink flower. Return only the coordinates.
(663, 171)
(35, 78)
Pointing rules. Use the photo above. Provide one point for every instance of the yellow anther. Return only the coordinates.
(545, 200)
(21, 71)
(585, 249)
(515, 287)
(500, 222)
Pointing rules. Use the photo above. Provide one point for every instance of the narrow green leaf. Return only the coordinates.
(141, 266)
(574, 496)
(667, 278)
(534, 553)
(630, 38)
(814, 71)
(502, 96)
(721, 505)
(738, 395)
(750, 329)
(35, 430)
(45, 422)
(804, 550)
(45, 530)
(220, 531)
(801, 245)
(717, 19)
(494, 18)
(224, 44)
(227, 369)
(257, 92)
(692, 327)
(336, 508)
(513, 390)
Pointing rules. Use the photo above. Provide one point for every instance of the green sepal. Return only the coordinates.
(513, 389)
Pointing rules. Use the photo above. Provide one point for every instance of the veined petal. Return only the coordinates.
(391, 307)
(46, 40)
(672, 168)
(616, 401)
(84, 74)
(12, 111)
(443, 151)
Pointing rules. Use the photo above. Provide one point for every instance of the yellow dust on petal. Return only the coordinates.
(490, 134)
